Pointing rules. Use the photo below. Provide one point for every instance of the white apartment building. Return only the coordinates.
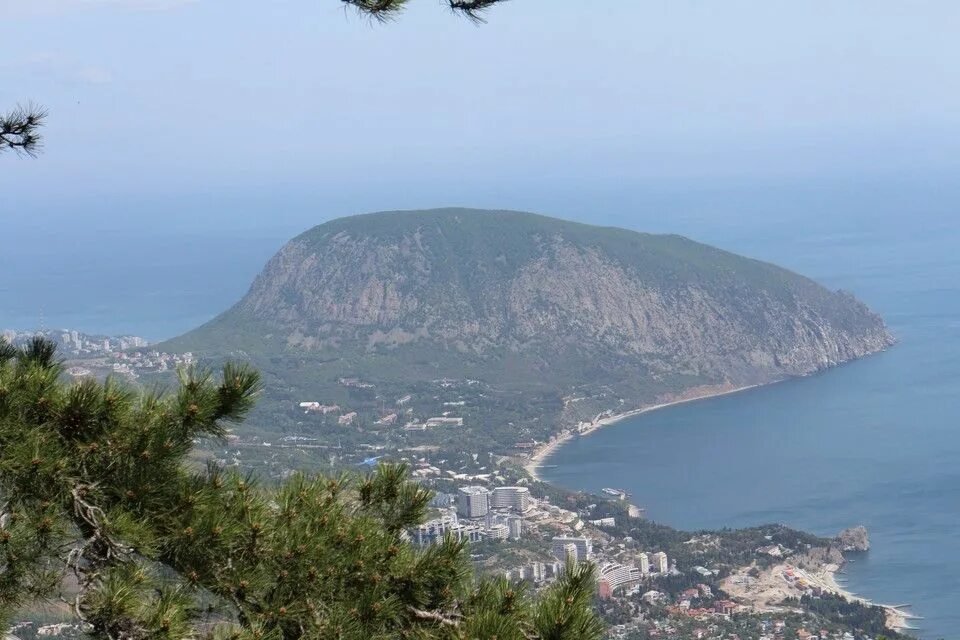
(497, 532)
(578, 549)
(644, 562)
(515, 524)
(516, 498)
(433, 531)
(619, 575)
(660, 562)
(538, 572)
(473, 502)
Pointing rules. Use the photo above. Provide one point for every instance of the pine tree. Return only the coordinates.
(101, 508)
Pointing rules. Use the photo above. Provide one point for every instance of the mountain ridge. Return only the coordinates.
(527, 300)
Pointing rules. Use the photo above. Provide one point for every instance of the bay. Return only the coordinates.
(873, 442)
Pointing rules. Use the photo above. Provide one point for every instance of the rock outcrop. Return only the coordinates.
(854, 539)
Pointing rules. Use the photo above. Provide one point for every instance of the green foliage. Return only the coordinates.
(855, 615)
(95, 487)
(509, 299)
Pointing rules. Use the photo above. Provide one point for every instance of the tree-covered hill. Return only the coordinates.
(526, 300)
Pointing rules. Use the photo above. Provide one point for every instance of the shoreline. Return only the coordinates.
(826, 579)
(543, 452)
(765, 593)
(897, 619)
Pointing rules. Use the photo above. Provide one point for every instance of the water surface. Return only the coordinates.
(874, 442)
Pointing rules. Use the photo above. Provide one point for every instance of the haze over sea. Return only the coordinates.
(874, 442)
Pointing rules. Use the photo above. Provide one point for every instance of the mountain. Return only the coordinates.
(526, 301)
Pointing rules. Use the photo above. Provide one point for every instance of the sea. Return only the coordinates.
(874, 442)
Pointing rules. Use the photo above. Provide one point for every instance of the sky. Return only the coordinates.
(205, 124)
(191, 97)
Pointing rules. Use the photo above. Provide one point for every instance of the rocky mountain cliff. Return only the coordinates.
(523, 299)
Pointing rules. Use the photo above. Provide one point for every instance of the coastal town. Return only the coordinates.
(767, 583)
(775, 585)
(125, 356)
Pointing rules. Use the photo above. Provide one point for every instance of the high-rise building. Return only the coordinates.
(515, 523)
(618, 575)
(497, 532)
(433, 530)
(643, 563)
(473, 502)
(517, 498)
(660, 562)
(578, 549)
(439, 500)
(538, 572)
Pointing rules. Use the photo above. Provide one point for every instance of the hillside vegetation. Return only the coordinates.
(526, 302)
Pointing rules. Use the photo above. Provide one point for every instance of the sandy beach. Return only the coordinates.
(765, 592)
(897, 619)
(543, 452)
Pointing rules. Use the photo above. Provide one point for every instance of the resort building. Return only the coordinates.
(615, 576)
(644, 564)
(660, 562)
(497, 532)
(473, 502)
(577, 549)
(515, 524)
(516, 498)
(433, 531)
(443, 421)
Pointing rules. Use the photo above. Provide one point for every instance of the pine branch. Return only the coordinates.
(473, 9)
(40, 351)
(7, 351)
(386, 10)
(379, 10)
(396, 503)
(434, 616)
(99, 484)
(19, 129)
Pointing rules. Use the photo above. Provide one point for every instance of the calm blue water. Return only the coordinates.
(150, 282)
(875, 442)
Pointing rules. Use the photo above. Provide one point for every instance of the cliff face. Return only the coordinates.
(515, 294)
(854, 539)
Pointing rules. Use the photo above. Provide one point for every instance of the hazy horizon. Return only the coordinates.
(175, 268)
(192, 98)
(189, 138)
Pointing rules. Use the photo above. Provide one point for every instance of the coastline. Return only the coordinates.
(824, 577)
(765, 592)
(543, 452)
